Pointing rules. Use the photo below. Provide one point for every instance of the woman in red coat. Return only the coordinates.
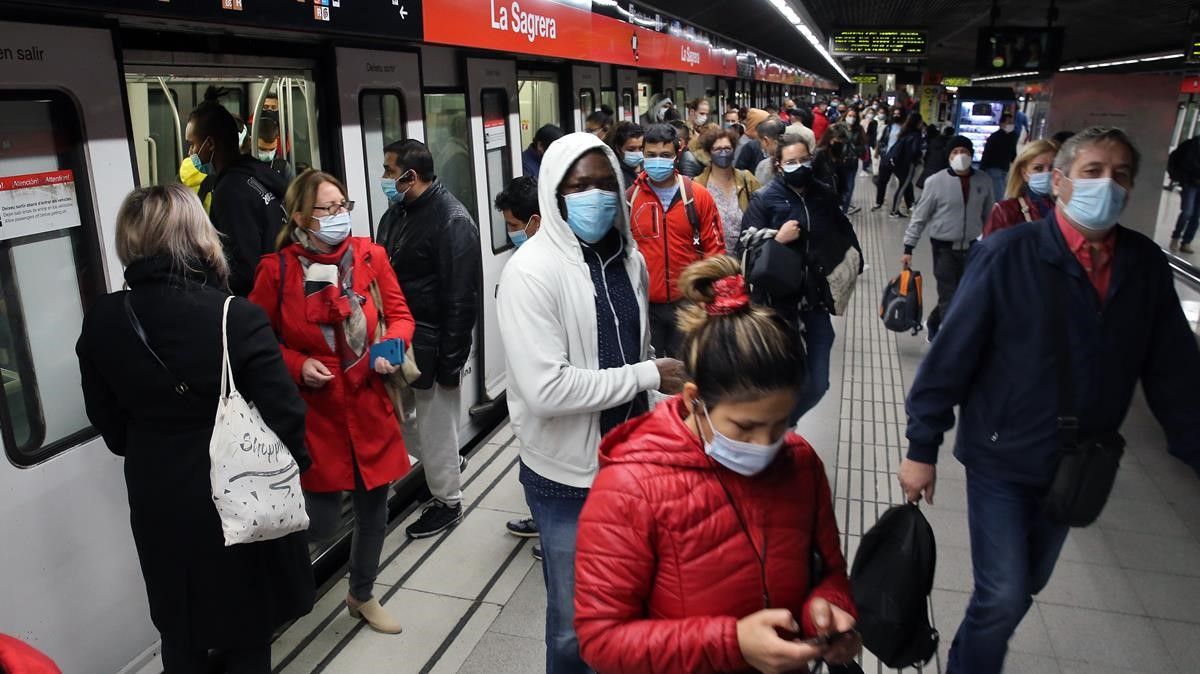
(317, 293)
(1028, 196)
(696, 542)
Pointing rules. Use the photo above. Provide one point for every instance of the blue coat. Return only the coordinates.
(995, 355)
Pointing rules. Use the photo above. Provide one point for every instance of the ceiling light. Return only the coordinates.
(1121, 62)
(793, 17)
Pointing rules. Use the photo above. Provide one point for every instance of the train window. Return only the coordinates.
(50, 270)
(446, 120)
(497, 159)
(627, 104)
(680, 98)
(159, 106)
(539, 105)
(609, 97)
(383, 118)
(587, 103)
(643, 97)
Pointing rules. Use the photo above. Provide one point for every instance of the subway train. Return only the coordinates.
(94, 98)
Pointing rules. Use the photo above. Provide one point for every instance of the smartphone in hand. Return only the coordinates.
(391, 350)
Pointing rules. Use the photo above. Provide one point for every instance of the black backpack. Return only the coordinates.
(902, 305)
(892, 577)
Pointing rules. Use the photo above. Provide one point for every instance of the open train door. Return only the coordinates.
(627, 102)
(585, 83)
(379, 99)
(496, 151)
(65, 167)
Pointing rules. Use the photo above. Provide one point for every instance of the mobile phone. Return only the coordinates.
(391, 350)
(828, 639)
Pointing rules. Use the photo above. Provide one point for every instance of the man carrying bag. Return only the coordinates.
(1051, 329)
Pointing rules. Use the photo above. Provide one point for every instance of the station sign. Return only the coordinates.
(1192, 53)
(865, 79)
(390, 19)
(956, 81)
(877, 42)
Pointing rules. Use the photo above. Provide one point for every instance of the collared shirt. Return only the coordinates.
(1095, 258)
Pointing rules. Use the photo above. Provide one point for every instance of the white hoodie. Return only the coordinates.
(547, 314)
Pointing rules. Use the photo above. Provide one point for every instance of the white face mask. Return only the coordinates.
(961, 163)
(334, 228)
(743, 458)
(701, 119)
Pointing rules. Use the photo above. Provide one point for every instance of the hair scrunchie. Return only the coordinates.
(730, 296)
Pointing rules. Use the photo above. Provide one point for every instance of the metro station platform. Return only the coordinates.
(1122, 599)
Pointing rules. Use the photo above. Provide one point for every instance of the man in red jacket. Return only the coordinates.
(675, 222)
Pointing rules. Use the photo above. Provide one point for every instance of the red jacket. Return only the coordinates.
(342, 419)
(1011, 212)
(663, 569)
(669, 248)
(820, 124)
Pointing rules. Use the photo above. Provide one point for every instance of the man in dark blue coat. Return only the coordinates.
(996, 358)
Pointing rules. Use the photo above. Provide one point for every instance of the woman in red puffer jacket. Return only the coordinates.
(695, 544)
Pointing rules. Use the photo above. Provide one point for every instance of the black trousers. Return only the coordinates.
(948, 267)
(185, 659)
(904, 178)
(664, 334)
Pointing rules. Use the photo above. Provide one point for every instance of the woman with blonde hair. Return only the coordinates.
(655, 591)
(1028, 196)
(319, 291)
(150, 366)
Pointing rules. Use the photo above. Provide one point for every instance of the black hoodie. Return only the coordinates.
(247, 208)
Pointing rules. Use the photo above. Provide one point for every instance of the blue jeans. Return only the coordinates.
(1013, 551)
(818, 341)
(558, 522)
(846, 179)
(1189, 214)
(999, 177)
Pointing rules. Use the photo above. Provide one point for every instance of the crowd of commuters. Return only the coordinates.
(666, 318)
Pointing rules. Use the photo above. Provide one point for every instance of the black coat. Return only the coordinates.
(1000, 150)
(247, 207)
(433, 244)
(200, 591)
(937, 158)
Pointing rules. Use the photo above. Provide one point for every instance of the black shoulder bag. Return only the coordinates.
(180, 387)
(1088, 462)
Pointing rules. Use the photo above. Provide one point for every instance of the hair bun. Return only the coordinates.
(729, 296)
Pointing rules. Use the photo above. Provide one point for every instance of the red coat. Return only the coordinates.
(342, 419)
(1009, 213)
(820, 124)
(663, 569)
(666, 241)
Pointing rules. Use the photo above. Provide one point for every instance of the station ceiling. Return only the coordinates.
(1095, 29)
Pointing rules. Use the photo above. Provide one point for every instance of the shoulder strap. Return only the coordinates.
(228, 388)
(1025, 209)
(180, 386)
(689, 203)
(1068, 423)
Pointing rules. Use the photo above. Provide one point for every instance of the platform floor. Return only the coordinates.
(1122, 599)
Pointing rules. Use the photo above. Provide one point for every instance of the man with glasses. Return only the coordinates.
(433, 245)
(802, 221)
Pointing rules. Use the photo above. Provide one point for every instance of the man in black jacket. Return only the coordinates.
(999, 152)
(433, 244)
(247, 201)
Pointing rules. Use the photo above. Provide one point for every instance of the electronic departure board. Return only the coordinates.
(1193, 49)
(877, 42)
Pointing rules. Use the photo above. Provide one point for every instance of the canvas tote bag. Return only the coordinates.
(255, 480)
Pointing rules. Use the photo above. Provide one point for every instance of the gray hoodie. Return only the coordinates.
(941, 209)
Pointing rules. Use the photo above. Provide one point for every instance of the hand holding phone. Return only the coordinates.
(391, 350)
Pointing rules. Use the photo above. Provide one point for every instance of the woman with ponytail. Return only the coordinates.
(708, 541)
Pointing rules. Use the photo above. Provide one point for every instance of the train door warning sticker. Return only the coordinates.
(37, 202)
(494, 134)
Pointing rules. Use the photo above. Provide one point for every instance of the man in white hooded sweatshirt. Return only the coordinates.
(573, 317)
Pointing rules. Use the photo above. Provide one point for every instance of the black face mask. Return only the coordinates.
(836, 149)
(799, 178)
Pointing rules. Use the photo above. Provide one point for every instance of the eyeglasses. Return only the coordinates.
(336, 208)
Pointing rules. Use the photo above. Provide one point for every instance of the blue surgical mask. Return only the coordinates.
(205, 167)
(521, 235)
(389, 189)
(743, 458)
(1095, 203)
(334, 228)
(267, 156)
(659, 168)
(632, 159)
(591, 213)
(1039, 183)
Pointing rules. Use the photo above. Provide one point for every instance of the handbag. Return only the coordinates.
(255, 480)
(398, 384)
(1088, 462)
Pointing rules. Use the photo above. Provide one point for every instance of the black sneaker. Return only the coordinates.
(435, 518)
(523, 528)
(876, 207)
(536, 551)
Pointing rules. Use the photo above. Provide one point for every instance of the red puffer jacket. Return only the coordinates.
(663, 569)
